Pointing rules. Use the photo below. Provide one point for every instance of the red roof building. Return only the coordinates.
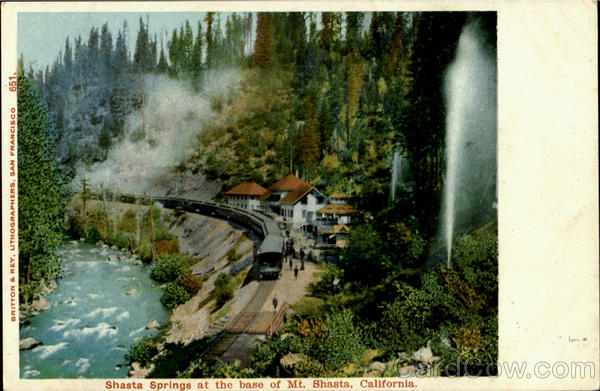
(293, 199)
(245, 195)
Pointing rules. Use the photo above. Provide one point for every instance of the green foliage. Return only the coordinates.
(42, 196)
(121, 240)
(92, 235)
(224, 289)
(309, 306)
(326, 343)
(169, 267)
(143, 351)
(174, 295)
(451, 304)
(98, 218)
(145, 252)
(177, 360)
(338, 342)
(128, 222)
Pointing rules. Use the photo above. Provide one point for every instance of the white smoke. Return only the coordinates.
(159, 136)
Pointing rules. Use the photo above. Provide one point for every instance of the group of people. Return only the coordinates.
(289, 255)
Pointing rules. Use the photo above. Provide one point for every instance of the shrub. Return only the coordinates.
(142, 351)
(309, 306)
(168, 268)
(166, 246)
(224, 289)
(121, 240)
(92, 235)
(190, 283)
(144, 251)
(339, 343)
(174, 295)
(128, 222)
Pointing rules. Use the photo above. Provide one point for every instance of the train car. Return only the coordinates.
(270, 257)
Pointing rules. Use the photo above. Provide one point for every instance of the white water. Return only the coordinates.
(92, 322)
(470, 135)
(396, 170)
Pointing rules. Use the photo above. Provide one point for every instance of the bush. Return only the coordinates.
(166, 246)
(92, 235)
(144, 251)
(128, 222)
(224, 289)
(142, 351)
(174, 295)
(309, 306)
(121, 240)
(190, 283)
(338, 342)
(168, 268)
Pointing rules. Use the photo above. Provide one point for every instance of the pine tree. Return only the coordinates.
(42, 195)
(68, 59)
(174, 55)
(209, 38)
(141, 58)
(196, 59)
(264, 45)
(106, 49)
(162, 67)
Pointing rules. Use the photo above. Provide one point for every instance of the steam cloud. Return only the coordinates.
(160, 136)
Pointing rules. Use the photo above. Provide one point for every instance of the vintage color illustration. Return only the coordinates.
(258, 194)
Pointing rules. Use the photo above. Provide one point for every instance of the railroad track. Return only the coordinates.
(241, 324)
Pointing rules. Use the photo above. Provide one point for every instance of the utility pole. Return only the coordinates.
(152, 249)
(85, 195)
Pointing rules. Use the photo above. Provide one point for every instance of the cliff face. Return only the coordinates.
(220, 248)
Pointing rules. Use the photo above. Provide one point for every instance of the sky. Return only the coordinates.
(41, 35)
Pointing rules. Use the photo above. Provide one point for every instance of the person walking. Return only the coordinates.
(296, 272)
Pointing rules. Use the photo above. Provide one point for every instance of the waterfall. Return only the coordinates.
(470, 95)
(396, 171)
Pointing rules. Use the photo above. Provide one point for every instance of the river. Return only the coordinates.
(92, 322)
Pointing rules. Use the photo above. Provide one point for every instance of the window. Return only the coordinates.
(320, 200)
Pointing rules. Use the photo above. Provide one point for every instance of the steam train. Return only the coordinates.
(269, 256)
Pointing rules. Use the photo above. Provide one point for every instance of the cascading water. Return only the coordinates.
(470, 93)
(396, 172)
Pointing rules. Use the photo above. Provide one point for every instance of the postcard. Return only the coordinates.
(300, 195)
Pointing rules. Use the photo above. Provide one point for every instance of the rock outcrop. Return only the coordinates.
(28, 343)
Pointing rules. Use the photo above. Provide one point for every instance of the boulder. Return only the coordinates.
(138, 371)
(152, 325)
(377, 366)
(408, 370)
(425, 355)
(28, 343)
(290, 360)
(132, 292)
(113, 257)
(137, 262)
(40, 305)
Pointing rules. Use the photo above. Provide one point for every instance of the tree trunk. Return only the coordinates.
(152, 248)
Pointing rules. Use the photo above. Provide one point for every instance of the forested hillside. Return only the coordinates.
(331, 96)
(328, 95)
